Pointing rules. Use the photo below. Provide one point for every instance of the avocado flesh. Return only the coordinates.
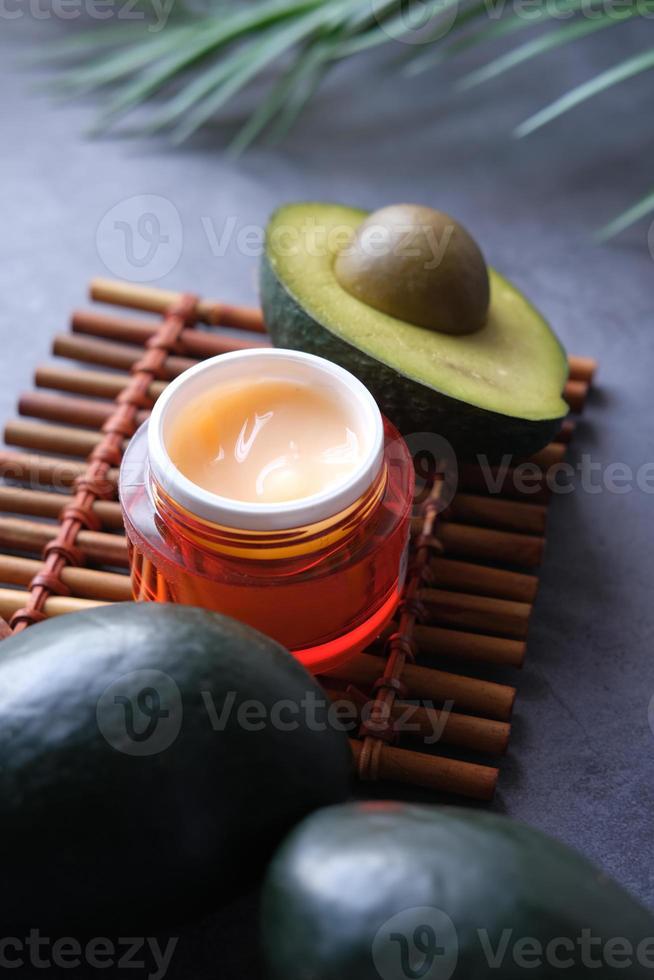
(513, 366)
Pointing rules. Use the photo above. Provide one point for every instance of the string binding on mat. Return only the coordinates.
(93, 484)
(379, 726)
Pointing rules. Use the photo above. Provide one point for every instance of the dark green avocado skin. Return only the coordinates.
(411, 406)
(346, 871)
(94, 837)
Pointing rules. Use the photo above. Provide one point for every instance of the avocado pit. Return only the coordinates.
(418, 265)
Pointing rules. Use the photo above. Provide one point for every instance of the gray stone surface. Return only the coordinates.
(581, 755)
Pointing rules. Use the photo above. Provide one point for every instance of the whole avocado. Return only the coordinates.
(151, 757)
(399, 892)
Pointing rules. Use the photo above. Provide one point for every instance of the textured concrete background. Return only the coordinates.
(580, 762)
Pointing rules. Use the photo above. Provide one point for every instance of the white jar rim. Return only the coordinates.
(278, 363)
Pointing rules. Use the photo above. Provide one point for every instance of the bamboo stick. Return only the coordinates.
(84, 583)
(582, 368)
(457, 644)
(508, 515)
(433, 772)
(107, 354)
(130, 330)
(67, 440)
(99, 384)
(53, 471)
(11, 600)
(470, 695)
(415, 721)
(484, 614)
(550, 455)
(475, 647)
(521, 479)
(45, 503)
(466, 541)
(32, 536)
(526, 482)
(576, 393)
(448, 573)
(156, 300)
(88, 412)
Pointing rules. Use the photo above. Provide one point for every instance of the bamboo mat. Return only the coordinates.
(472, 575)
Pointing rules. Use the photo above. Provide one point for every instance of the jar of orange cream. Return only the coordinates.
(267, 486)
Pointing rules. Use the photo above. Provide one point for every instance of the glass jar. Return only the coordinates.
(321, 574)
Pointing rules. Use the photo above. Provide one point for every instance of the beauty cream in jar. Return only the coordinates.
(267, 486)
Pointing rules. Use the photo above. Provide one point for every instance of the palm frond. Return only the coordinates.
(259, 55)
(284, 103)
(606, 79)
(83, 45)
(642, 209)
(540, 45)
(121, 64)
(192, 67)
(205, 39)
(510, 23)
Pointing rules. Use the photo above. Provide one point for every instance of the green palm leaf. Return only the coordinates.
(606, 79)
(208, 60)
(205, 39)
(541, 45)
(122, 64)
(261, 55)
(640, 210)
(510, 23)
(288, 97)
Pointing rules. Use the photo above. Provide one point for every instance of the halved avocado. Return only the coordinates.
(496, 390)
